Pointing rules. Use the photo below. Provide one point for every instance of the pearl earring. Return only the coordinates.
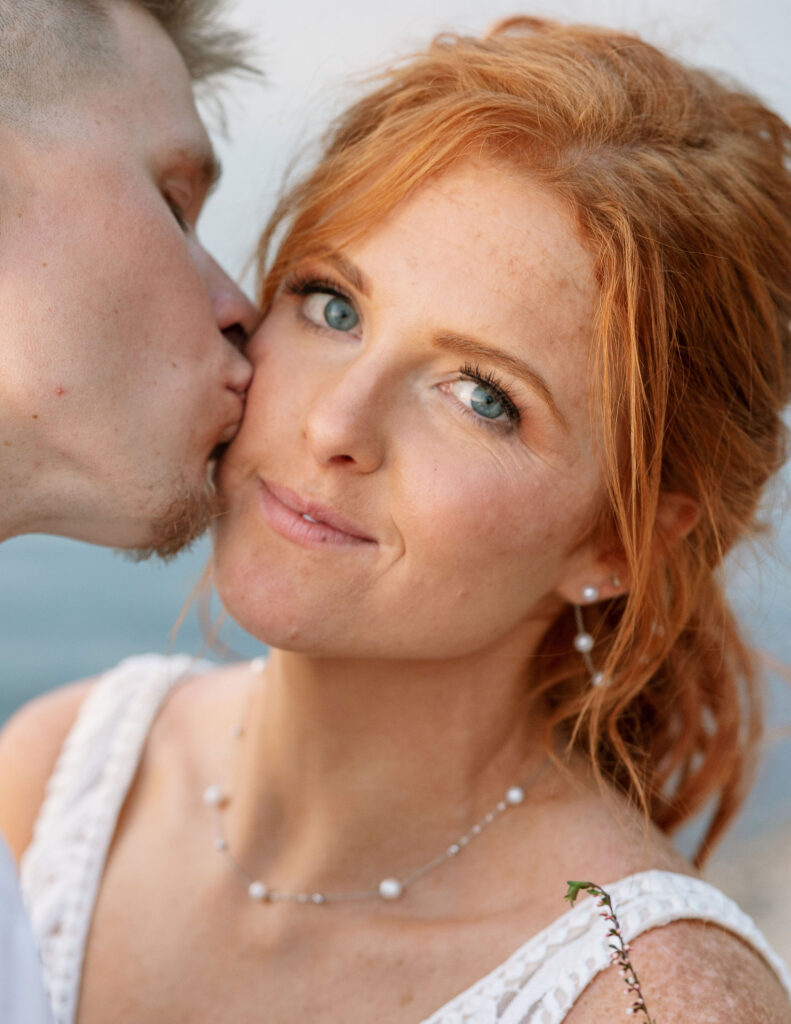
(583, 641)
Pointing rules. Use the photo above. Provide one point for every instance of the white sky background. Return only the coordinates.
(312, 49)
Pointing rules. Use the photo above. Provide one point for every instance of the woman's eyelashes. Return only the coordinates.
(486, 398)
(324, 305)
(481, 395)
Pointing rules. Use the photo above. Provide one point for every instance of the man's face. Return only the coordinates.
(116, 380)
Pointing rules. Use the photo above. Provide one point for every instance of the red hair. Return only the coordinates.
(680, 185)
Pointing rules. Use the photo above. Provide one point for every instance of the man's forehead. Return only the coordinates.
(152, 95)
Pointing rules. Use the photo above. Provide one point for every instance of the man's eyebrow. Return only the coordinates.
(349, 270)
(476, 350)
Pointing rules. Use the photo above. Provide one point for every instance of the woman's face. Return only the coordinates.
(422, 396)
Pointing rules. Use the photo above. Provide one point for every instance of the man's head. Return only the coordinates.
(48, 47)
(119, 364)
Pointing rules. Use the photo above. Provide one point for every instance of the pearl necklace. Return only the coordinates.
(391, 888)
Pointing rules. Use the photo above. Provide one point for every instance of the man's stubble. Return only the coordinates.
(186, 518)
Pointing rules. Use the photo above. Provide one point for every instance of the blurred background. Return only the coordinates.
(68, 610)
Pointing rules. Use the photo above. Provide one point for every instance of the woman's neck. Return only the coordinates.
(349, 769)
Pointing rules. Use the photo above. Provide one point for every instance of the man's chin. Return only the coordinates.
(174, 529)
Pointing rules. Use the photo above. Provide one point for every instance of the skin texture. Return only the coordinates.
(377, 424)
(117, 381)
(373, 741)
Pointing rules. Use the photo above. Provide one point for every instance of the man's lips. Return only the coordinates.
(306, 520)
(229, 432)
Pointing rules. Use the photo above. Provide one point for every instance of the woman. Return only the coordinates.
(518, 391)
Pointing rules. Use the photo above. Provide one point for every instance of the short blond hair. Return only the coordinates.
(49, 47)
(209, 47)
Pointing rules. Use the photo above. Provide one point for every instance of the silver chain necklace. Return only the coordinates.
(391, 888)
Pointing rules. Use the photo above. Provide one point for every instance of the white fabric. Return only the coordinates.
(22, 999)
(61, 871)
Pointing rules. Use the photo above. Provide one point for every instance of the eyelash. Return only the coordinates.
(304, 284)
(178, 213)
(471, 371)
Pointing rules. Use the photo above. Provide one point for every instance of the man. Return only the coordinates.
(120, 365)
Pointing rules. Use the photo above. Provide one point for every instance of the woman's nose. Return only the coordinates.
(345, 422)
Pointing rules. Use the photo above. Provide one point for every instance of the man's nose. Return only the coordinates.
(235, 314)
(236, 317)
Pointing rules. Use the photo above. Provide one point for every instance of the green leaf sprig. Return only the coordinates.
(619, 955)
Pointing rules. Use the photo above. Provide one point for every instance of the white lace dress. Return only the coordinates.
(62, 868)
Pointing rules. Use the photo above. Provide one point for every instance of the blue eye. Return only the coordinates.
(340, 315)
(333, 311)
(485, 398)
(486, 403)
(481, 398)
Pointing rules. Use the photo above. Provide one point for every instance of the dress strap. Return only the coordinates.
(63, 866)
(543, 979)
(644, 901)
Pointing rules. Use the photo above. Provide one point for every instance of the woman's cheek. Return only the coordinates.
(471, 514)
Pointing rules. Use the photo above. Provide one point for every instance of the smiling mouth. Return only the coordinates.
(307, 523)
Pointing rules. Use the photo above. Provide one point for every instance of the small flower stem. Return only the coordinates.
(619, 955)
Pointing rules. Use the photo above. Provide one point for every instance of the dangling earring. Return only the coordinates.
(583, 641)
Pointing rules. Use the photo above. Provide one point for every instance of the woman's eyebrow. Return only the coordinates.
(349, 270)
(476, 350)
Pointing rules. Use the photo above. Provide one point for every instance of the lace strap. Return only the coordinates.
(644, 901)
(543, 979)
(63, 866)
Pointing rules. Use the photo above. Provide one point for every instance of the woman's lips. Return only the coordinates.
(307, 522)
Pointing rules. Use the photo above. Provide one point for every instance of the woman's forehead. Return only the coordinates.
(493, 243)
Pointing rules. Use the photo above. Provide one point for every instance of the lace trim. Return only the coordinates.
(541, 981)
(62, 868)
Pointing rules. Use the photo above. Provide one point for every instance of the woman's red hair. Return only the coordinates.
(680, 184)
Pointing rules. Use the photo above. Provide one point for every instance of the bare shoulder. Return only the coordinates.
(690, 971)
(29, 746)
(31, 740)
(582, 831)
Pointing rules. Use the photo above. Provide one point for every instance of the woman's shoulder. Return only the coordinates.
(30, 743)
(32, 740)
(697, 956)
(690, 970)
